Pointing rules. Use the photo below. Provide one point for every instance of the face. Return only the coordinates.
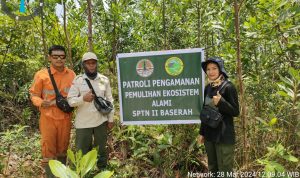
(91, 65)
(57, 59)
(212, 71)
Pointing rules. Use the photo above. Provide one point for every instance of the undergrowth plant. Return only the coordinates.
(83, 165)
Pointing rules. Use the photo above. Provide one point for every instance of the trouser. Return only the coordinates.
(84, 142)
(220, 158)
(55, 136)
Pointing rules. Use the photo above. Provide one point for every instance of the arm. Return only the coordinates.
(36, 91)
(74, 96)
(230, 105)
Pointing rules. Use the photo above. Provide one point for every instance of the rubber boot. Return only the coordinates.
(62, 159)
(48, 172)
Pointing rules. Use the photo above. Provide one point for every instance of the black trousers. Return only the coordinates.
(220, 158)
(96, 137)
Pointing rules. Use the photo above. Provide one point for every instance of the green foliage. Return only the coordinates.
(272, 161)
(104, 174)
(15, 134)
(60, 170)
(161, 147)
(22, 96)
(26, 115)
(1, 164)
(290, 87)
(17, 139)
(83, 165)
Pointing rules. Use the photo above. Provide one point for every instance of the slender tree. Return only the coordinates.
(114, 43)
(69, 56)
(240, 80)
(43, 32)
(90, 30)
(164, 23)
(198, 24)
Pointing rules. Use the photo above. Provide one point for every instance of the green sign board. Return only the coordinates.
(161, 87)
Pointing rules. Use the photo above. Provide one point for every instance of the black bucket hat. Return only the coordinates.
(217, 61)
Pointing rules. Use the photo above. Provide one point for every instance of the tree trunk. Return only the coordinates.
(69, 56)
(43, 33)
(90, 32)
(164, 24)
(114, 43)
(198, 25)
(240, 83)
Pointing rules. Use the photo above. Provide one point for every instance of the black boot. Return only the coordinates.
(48, 172)
(62, 159)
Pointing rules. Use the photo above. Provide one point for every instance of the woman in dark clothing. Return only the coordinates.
(219, 142)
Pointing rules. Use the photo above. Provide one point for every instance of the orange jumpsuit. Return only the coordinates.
(55, 125)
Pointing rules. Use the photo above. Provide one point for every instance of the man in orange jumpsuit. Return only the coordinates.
(55, 125)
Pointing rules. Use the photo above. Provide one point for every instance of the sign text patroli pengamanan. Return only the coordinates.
(161, 87)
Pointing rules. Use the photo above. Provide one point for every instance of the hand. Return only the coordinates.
(200, 139)
(216, 98)
(46, 103)
(88, 97)
(110, 125)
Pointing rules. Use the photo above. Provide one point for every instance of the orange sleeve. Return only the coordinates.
(36, 90)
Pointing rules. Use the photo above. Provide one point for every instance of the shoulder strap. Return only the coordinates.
(208, 89)
(223, 84)
(90, 86)
(53, 83)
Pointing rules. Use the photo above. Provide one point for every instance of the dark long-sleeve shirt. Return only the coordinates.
(228, 106)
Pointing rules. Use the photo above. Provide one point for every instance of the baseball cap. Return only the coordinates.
(88, 56)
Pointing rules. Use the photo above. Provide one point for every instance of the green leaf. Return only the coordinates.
(271, 151)
(291, 158)
(293, 72)
(252, 20)
(288, 91)
(273, 121)
(261, 120)
(60, 170)
(282, 93)
(218, 27)
(71, 156)
(71, 174)
(87, 162)
(78, 157)
(287, 81)
(280, 149)
(278, 167)
(247, 25)
(104, 174)
(252, 34)
(298, 133)
(271, 169)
